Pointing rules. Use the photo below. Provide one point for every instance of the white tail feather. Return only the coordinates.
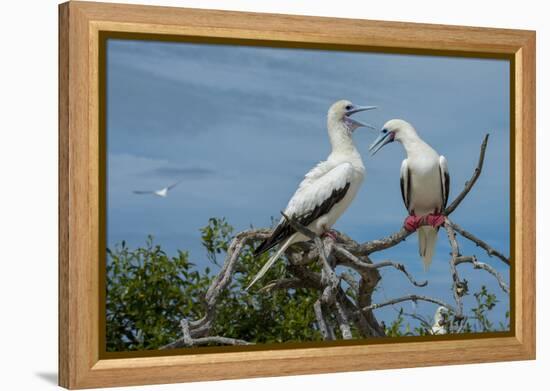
(271, 261)
(427, 238)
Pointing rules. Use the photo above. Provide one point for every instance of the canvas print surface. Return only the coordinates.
(263, 195)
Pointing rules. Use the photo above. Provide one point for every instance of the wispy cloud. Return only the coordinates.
(181, 172)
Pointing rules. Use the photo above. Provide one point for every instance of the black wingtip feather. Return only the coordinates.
(280, 233)
(262, 248)
(284, 230)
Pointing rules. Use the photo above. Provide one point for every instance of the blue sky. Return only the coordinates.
(242, 125)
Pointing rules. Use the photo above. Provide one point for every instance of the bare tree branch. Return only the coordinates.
(343, 320)
(325, 330)
(220, 340)
(188, 341)
(382, 244)
(460, 287)
(477, 171)
(358, 264)
(180, 343)
(490, 250)
(202, 326)
(324, 248)
(347, 277)
(332, 291)
(480, 265)
(413, 298)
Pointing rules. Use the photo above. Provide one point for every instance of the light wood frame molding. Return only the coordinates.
(80, 24)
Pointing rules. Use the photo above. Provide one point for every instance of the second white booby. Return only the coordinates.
(441, 318)
(327, 190)
(424, 183)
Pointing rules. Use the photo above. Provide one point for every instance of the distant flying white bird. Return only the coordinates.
(327, 190)
(424, 184)
(161, 193)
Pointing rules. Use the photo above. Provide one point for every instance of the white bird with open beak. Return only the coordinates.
(424, 184)
(327, 190)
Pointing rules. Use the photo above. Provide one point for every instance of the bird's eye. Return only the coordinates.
(385, 131)
(349, 107)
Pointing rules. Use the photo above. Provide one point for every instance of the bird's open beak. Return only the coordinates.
(358, 124)
(383, 139)
(358, 109)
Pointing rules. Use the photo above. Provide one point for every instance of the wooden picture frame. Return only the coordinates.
(81, 161)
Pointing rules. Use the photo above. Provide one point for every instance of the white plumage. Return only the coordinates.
(441, 317)
(312, 192)
(424, 181)
(327, 190)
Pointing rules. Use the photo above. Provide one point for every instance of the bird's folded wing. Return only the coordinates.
(445, 181)
(321, 169)
(317, 193)
(405, 179)
(311, 201)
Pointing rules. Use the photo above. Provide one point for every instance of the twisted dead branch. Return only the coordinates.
(477, 172)
(480, 243)
(460, 287)
(488, 268)
(413, 298)
(352, 260)
(335, 309)
(188, 341)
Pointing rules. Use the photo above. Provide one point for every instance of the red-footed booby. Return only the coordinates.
(327, 190)
(424, 184)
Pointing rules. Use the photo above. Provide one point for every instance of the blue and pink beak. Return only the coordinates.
(384, 138)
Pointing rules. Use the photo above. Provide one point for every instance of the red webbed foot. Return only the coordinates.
(412, 223)
(435, 220)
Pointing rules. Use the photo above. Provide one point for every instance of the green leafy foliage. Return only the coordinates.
(216, 237)
(397, 328)
(148, 293)
(485, 302)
